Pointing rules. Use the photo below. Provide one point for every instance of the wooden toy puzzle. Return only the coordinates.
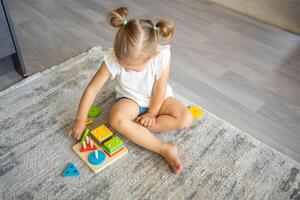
(88, 145)
(94, 111)
(115, 152)
(88, 122)
(113, 145)
(71, 170)
(86, 132)
(99, 158)
(101, 133)
(196, 111)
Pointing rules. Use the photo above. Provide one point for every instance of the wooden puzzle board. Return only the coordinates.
(108, 160)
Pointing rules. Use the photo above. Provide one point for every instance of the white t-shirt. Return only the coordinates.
(138, 85)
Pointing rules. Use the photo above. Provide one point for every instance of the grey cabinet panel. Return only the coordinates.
(6, 43)
(9, 46)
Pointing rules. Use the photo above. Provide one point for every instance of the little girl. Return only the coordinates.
(144, 101)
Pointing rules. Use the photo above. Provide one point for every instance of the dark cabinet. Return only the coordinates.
(9, 47)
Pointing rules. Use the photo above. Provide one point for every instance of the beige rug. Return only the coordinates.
(221, 161)
(284, 14)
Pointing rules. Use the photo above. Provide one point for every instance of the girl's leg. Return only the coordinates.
(121, 118)
(173, 115)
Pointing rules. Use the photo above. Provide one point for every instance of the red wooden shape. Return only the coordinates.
(88, 148)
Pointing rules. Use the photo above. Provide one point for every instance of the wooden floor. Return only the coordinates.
(242, 70)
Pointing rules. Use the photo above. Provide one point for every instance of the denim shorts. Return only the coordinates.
(142, 110)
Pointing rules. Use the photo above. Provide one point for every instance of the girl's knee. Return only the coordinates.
(185, 120)
(117, 121)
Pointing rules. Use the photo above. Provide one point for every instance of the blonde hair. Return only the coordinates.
(137, 38)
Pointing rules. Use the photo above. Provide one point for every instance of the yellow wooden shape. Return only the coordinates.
(88, 122)
(101, 133)
(196, 111)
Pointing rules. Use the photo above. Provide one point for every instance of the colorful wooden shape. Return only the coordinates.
(196, 111)
(115, 152)
(88, 147)
(108, 160)
(94, 111)
(86, 132)
(97, 157)
(113, 144)
(71, 170)
(101, 133)
(88, 122)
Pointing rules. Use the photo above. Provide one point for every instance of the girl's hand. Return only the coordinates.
(77, 129)
(146, 120)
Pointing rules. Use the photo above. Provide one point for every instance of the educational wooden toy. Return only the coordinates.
(88, 122)
(113, 145)
(196, 111)
(86, 132)
(71, 170)
(94, 111)
(88, 145)
(96, 168)
(101, 133)
(97, 157)
(113, 153)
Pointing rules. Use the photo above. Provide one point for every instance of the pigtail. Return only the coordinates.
(165, 29)
(117, 17)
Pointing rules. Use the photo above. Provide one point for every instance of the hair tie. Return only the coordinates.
(155, 28)
(125, 22)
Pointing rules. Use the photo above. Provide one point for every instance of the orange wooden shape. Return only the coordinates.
(114, 153)
(88, 122)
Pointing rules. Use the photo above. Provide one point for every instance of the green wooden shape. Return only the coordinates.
(113, 144)
(86, 132)
(94, 111)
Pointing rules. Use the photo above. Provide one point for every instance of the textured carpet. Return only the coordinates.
(221, 162)
(284, 14)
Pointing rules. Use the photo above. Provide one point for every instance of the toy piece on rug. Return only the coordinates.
(100, 158)
(196, 111)
(71, 170)
(88, 122)
(102, 165)
(88, 145)
(113, 146)
(94, 111)
(101, 133)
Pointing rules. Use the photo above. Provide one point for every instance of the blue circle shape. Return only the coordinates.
(97, 161)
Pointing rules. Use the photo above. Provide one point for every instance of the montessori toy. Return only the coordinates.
(196, 111)
(86, 132)
(94, 111)
(71, 170)
(101, 134)
(100, 148)
(113, 146)
(88, 122)
(97, 157)
(88, 145)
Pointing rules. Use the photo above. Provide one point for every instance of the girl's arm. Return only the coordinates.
(91, 91)
(159, 91)
(158, 94)
(87, 100)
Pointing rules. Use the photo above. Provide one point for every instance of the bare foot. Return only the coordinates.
(171, 155)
